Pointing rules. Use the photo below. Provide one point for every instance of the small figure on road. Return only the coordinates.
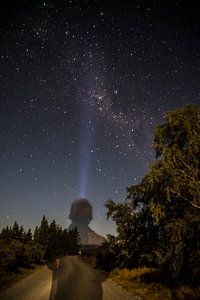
(81, 216)
(58, 262)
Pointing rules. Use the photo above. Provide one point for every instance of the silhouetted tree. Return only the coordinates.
(73, 241)
(28, 237)
(17, 232)
(65, 241)
(6, 234)
(54, 246)
(41, 234)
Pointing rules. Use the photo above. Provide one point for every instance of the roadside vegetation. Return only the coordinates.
(21, 251)
(157, 246)
(156, 251)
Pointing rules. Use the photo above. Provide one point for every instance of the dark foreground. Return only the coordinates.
(74, 280)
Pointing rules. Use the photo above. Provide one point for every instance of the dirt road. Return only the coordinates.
(74, 280)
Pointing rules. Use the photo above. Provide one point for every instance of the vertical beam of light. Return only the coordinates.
(88, 122)
(86, 145)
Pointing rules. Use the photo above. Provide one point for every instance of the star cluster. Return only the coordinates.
(82, 86)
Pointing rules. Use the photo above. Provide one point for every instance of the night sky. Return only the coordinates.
(82, 86)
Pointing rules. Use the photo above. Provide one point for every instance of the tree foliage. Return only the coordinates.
(159, 221)
(21, 249)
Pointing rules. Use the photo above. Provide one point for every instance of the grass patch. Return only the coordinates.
(147, 283)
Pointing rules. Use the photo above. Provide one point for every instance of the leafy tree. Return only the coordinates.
(172, 191)
(107, 256)
(177, 142)
(136, 229)
(7, 256)
(19, 249)
(159, 221)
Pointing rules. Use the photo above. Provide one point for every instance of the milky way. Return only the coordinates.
(82, 87)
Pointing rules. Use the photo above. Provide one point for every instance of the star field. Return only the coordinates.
(82, 86)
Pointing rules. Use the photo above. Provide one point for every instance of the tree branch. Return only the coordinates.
(178, 194)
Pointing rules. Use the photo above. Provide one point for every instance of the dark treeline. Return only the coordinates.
(22, 249)
(158, 225)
